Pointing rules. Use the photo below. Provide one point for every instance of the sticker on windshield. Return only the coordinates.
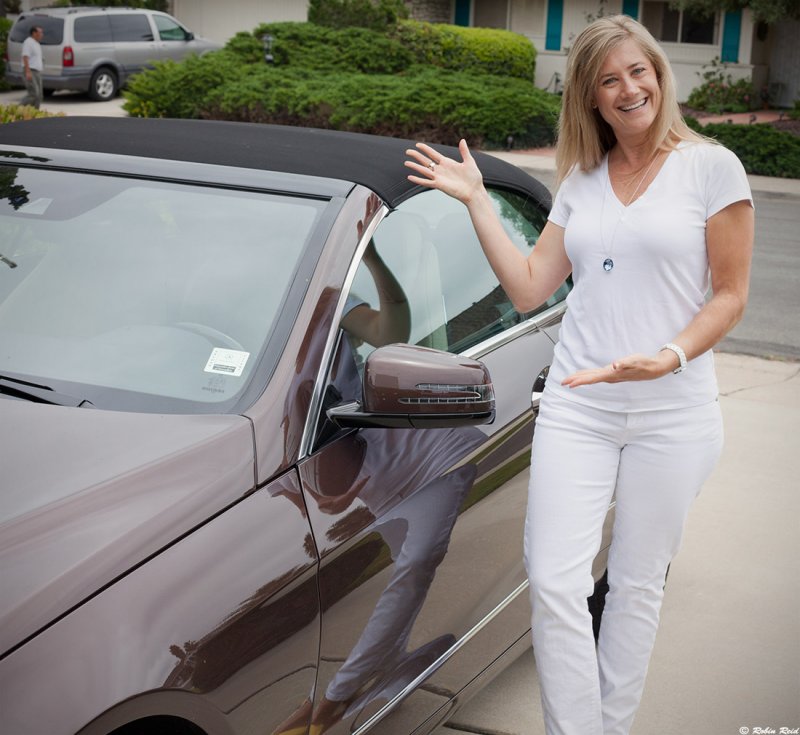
(227, 362)
(38, 206)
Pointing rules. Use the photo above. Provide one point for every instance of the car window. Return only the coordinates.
(92, 29)
(53, 29)
(130, 27)
(430, 246)
(117, 285)
(168, 29)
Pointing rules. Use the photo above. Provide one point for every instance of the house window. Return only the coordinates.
(678, 26)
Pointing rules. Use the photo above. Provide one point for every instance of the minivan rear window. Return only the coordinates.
(53, 29)
(93, 29)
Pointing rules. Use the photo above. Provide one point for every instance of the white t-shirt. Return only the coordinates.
(659, 278)
(33, 50)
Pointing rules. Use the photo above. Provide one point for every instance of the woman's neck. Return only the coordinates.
(631, 156)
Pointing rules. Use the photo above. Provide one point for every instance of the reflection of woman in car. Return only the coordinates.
(402, 483)
(645, 207)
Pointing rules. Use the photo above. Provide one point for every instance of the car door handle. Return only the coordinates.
(538, 388)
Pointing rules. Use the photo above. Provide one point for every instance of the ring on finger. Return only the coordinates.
(432, 166)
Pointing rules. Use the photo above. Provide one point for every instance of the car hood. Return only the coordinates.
(86, 495)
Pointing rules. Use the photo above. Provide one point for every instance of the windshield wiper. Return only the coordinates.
(38, 393)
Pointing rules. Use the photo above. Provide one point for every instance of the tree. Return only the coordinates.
(9, 6)
(374, 14)
(766, 11)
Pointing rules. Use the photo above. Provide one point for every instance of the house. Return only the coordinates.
(767, 55)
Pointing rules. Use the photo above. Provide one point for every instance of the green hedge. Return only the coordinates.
(483, 50)
(377, 15)
(5, 27)
(432, 104)
(762, 149)
(357, 79)
(177, 89)
(479, 50)
(317, 48)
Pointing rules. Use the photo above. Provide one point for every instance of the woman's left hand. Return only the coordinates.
(632, 367)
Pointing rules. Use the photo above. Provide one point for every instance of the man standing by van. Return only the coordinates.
(32, 67)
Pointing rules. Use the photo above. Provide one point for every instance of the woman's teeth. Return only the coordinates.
(635, 106)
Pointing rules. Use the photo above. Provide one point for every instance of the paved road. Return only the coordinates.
(771, 325)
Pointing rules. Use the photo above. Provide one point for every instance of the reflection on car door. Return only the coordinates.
(134, 41)
(420, 531)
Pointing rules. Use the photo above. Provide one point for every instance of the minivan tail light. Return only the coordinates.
(67, 58)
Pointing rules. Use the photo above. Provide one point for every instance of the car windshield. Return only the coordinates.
(144, 295)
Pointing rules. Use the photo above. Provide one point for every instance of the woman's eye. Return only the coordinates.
(639, 70)
(606, 82)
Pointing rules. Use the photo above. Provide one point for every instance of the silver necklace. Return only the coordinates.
(608, 262)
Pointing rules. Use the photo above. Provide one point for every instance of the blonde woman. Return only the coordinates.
(645, 209)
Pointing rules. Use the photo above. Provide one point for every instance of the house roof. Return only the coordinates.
(373, 161)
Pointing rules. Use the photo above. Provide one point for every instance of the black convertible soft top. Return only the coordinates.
(373, 161)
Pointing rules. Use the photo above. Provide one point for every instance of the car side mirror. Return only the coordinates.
(406, 386)
(189, 36)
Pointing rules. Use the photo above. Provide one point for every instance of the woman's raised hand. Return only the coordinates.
(461, 180)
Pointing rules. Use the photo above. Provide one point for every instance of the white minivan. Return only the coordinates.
(95, 50)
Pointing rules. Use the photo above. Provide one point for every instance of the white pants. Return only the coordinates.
(655, 462)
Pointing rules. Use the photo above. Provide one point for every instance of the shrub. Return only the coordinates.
(483, 50)
(377, 15)
(436, 105)
(719, 93)
(317, 48)
(794, 113)
(762, 149)
(440, 83)
(176, 89)
(246, 47)
(480, 50)
(16, 113)
(5, 27)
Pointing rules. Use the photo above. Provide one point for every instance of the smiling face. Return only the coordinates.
(627, 93)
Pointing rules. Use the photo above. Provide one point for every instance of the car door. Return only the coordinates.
(174, 41)
(134, 41)
(420, 530)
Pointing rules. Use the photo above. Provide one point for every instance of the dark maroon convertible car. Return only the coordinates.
(265, 419)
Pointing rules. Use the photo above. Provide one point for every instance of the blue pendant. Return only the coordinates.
(608, 264)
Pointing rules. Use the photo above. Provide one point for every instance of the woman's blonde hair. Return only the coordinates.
(583, 136)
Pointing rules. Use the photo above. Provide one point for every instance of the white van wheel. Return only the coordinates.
(103, 85)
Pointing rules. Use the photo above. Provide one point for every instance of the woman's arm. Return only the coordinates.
(391, 322)
(463, 181)
(729, 242)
